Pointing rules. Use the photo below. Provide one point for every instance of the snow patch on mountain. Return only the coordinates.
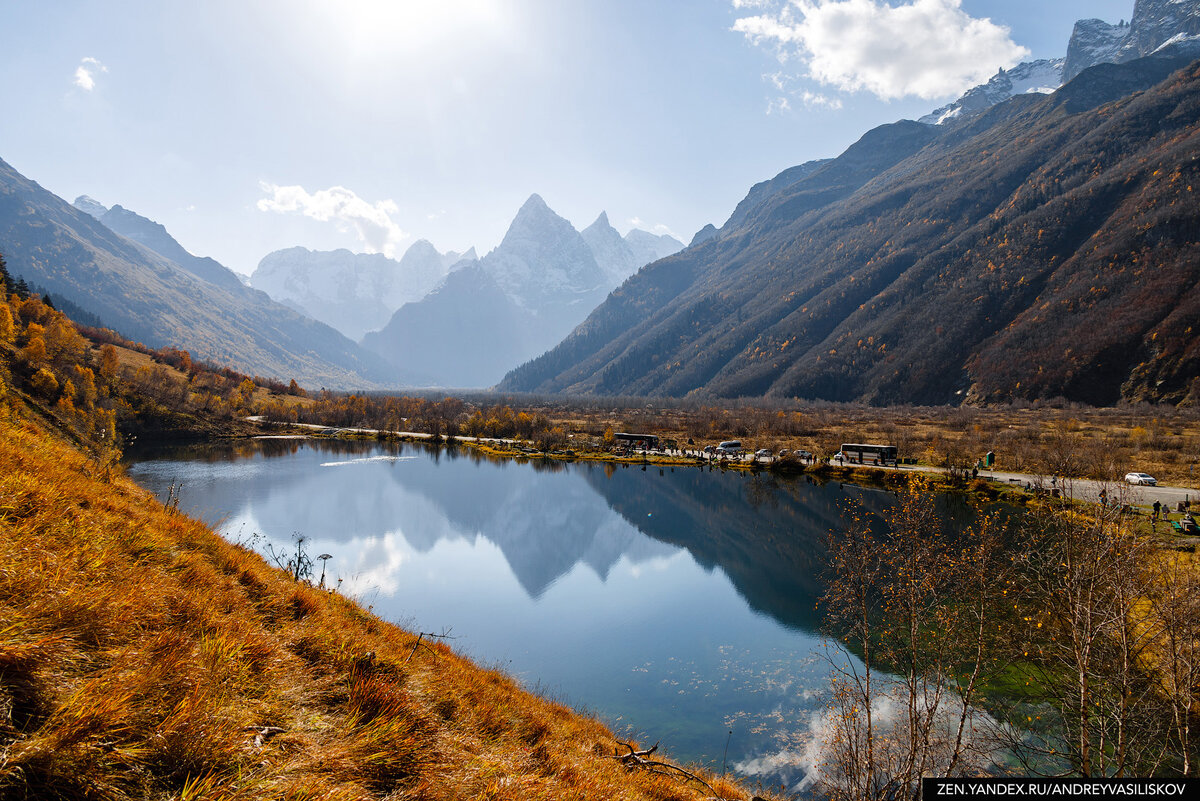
(1156, 25)
(1042, 77)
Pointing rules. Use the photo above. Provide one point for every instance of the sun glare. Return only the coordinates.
(373, 27)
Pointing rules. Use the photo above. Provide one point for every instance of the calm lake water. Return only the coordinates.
(675, 603)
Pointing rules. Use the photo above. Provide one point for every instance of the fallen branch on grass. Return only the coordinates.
(445, 635)
(635, 759)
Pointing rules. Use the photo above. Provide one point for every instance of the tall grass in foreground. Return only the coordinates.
(141, 656)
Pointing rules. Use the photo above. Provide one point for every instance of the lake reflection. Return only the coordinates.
(675, 603)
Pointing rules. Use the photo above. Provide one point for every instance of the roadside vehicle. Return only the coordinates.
(1141, 479)
(762, 453)
(868, 454)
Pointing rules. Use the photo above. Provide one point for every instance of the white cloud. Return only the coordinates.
(371, 221)
(783, 83)
(778, 105)
(85, 73)
(926, 48)
(812, 99)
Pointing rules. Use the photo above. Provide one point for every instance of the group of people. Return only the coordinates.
(1186, 523)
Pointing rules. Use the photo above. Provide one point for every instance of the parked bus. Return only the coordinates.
(869, 454)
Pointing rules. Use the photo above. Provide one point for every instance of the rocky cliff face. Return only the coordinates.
(1093, 42)
(612, 253)
(1155, 24)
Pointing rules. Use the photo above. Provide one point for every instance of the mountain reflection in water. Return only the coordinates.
(678, 603)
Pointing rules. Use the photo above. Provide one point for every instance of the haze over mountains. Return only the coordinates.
(353, 292)
(516, 302)
(149, 297)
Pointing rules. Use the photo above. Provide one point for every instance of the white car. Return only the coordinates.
(762, 453)
(1141, 478)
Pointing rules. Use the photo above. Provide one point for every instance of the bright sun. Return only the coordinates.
(375, 27)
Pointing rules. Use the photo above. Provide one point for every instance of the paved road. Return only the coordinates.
(1083, 489)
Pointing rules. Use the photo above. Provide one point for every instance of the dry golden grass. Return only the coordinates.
(142, 656)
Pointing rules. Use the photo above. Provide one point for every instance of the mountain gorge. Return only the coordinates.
(197, 304)
(516, 302)
(1043, 247)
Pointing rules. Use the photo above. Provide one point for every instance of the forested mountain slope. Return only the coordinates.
(1047, 247)
(147, 297)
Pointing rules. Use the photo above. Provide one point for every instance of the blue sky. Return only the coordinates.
(245, 126)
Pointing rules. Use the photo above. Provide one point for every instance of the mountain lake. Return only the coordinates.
(678, 604)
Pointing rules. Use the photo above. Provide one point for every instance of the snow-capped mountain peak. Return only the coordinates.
(542, 257)
(1042, 76)
(1155, 26)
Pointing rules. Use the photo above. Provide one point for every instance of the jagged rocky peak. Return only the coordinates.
(541, 256)
(1155, 25)
(90, 205)
(1093, 42)
(462, 259)
(612, 253)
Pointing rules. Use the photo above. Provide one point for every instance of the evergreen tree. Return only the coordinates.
(5, 277)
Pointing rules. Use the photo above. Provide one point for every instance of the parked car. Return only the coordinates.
(1141, 478)
(762, 453)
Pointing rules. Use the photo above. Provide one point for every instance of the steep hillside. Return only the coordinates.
(147, 297)
(1047, 247)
